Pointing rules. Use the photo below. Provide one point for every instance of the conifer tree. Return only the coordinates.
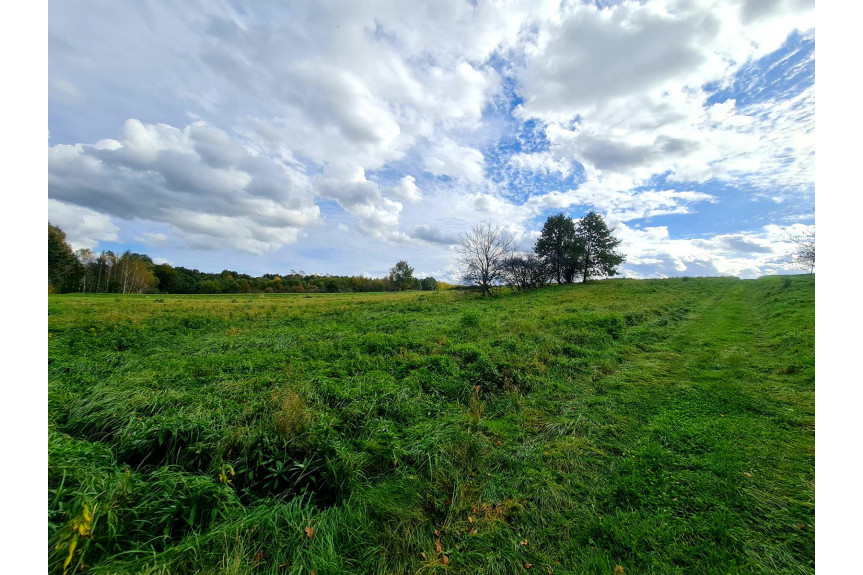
(598, 258)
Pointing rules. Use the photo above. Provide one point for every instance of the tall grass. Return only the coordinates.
(659, 426)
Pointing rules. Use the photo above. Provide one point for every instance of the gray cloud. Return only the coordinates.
(594, 56)
(737, 244)
(218, 195)
(608, 154)
(84, 228)
(250, 112)
(756, 10)
(434, 235)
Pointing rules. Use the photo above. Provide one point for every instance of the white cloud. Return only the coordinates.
(449, 159)
(154, 239)
(84, 228)
(651, 252)
(406, 190)
(362, 198)
(620, 90)
(593, 55)
(362, 103)
(66, 90)
(622, 205)
(210, 189)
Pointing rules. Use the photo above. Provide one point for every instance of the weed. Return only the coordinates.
(293, 417)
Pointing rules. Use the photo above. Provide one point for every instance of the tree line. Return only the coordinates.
(565, 251)
(85, 271)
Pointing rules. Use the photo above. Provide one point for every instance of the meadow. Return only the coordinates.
(620, 426)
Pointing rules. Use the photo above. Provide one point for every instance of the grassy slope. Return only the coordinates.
(665, 426)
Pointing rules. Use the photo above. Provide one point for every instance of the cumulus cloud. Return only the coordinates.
(84, 228)
(449, 159)
(651, 252)
(591, 56)
(210, 189)
(409, 122)
(406, 190)
(153, 239)
(434, 235)
(623, 205)
(594, 55)
(645, 110)
(362, 198)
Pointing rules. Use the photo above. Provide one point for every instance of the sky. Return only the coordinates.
(342, 137)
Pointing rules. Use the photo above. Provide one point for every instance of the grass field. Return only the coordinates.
(623, 426)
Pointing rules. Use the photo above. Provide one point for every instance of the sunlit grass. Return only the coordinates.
(663, 426)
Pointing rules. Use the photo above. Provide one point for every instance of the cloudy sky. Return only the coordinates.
(341, 137)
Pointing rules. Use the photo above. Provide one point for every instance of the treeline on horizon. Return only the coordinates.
(85, 271)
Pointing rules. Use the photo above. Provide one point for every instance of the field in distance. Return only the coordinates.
(622, 426)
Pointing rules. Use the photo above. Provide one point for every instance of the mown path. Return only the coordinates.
(718, 437)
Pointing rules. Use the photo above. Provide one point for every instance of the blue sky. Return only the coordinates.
(341, 137)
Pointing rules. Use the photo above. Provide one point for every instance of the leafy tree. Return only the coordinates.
(559, 248)
(402, 276)
(429, 284)
(89, 261)
(596, 246)
(166, 278)
(186, 281)
(483, 253)
(64, 269)
(210, 286)
(135, 273)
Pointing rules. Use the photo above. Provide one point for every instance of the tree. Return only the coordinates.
(135, 273)
(526, 271)
(804, 254)
(89, 261)
(559, 248)
(483, 253)
(64, 269)
(166, 278)
(402, 276)
(596, 244)
(429, 284)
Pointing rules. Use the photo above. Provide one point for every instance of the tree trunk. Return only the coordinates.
(586, 264)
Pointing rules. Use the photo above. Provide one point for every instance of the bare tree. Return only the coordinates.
(483, 254)
(525, 271)
(804, 254)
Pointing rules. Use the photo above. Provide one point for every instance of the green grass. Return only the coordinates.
(662, 426)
